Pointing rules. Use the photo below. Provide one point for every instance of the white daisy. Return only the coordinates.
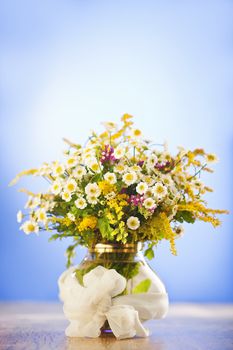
(19, 216)
(70, 186)
(149, 180)
(66, 196)
(80, 203)
(149, 193)
(30, 226)
(159, 190)
(110, 178)
(135, 168)
(120, 168)
(71, 162)
(149, 203)
(151, 161)
(167, 180)
(142, 187)
(110, 126)
(92, 199)
(71, 216)
(179, 230)
(93, 190)
(56, 187)
(41, 215)
(130, 178)
(79, 172)
(119, 152)
(93, 164)
(58, 169)
(133, 223)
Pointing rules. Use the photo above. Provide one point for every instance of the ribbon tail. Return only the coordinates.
(125, 323)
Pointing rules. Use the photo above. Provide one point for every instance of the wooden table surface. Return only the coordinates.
(40, 326)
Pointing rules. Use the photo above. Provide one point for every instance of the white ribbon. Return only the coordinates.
(88, 307)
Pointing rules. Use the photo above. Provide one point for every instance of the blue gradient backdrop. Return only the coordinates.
(68, 65)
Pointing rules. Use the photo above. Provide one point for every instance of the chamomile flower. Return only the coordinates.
(93, 190)
(142, 187)
(80, 203)
(149, 193)
(130, 178)
(151, 161)
(30, 226)
(92, 199)
(167, 180)
(41, 215)
(66, 196)
(70, 186)
(110, 178)
(110, 126)
(149, 180)
(149, 203)
(166, 157)
(19, 216)
(159, 190)
(56, 187)
(71, 162)
(135, 168)
(133, 223)
(58, 169)
(79, 172)
(71, 216)
(120, 168)
(94, 165)
(119, 152)
(179, 230)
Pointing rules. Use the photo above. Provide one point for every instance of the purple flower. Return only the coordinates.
(140, 163)
(107, 155)
(136, 200)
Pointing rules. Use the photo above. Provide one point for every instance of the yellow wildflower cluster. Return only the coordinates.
(117, 203)
(202, 213)
(88, 222)
(158, 228)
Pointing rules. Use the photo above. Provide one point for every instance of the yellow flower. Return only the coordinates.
(211, 158)
(126, 117)
(136, 133)
(106, 187)
(88, 222)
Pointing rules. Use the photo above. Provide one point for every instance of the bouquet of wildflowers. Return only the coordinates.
(120, 187)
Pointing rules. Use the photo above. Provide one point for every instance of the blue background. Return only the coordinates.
(68, 65)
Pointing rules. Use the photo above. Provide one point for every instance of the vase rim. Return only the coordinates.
(116, 248)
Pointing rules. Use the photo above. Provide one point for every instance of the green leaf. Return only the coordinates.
(187, 216)
(105, 229)
(142, 287)
(149, 253)
(79, 275)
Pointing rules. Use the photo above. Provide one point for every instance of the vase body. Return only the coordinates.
(128, 261)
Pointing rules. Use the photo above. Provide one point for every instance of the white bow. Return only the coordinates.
(88, 307)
